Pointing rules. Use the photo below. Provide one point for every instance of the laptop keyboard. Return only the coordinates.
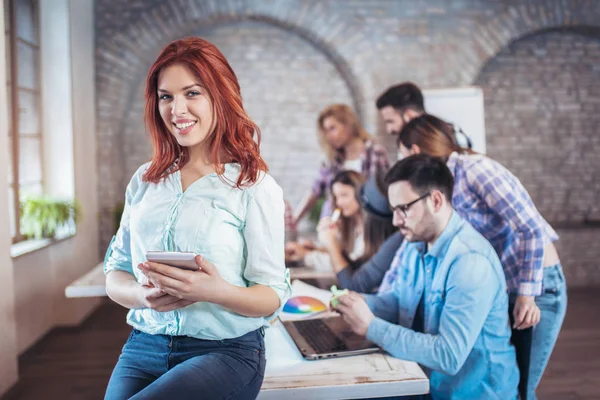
(319, 336)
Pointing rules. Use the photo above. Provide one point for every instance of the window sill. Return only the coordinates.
(29, 246)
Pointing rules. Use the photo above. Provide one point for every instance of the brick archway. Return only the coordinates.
(120, 59)
(129, 51)
(489, 37)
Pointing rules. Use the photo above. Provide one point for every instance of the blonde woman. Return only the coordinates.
(347, 146)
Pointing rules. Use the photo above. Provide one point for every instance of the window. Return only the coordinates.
(24, 99)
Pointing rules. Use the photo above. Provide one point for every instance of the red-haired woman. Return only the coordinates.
(206, 191)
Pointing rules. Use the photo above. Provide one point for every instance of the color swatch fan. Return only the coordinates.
(303, 305)
(306, 301)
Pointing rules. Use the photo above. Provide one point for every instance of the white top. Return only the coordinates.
(353, 165)
(321, 261)
(240, 231)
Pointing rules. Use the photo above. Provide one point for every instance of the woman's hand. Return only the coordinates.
(526, 313)
(203, 285)
(307, 244)
(152, 297)
(295, 251)
(328, 233)
(123, 288)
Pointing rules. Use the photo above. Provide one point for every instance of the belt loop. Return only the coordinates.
(262, 331)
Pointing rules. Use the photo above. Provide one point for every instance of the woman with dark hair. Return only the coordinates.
(380, 238)
(495, 202)
(207, 191)
(349, 226)
(347, 146)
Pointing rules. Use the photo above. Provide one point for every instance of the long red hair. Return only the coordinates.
(233, 133)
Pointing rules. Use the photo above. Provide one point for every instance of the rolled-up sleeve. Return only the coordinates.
(264, 236)
(118, 254)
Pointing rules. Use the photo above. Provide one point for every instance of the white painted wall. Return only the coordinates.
(8, 353)
(462, 106)
(57, 118)
(40, 277)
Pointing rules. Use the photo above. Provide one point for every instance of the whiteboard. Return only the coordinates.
(461, 106)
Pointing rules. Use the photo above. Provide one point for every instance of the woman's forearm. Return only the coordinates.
(254, 301)
(368, 276)
(338, 261)
(123, 289)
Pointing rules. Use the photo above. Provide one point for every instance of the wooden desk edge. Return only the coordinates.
(407, 387)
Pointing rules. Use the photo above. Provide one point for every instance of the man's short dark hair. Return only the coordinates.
(401, 97)
(424, 173)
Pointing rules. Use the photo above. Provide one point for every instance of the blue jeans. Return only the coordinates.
(181, 367)
(553, 306)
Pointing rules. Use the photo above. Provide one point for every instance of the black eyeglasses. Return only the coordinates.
(403, 208)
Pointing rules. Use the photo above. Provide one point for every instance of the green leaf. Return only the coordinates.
(42, 215)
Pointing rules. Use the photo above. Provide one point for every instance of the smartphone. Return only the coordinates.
(183, 260)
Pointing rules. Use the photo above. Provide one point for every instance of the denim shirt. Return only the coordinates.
(465, 347)
(240, 231)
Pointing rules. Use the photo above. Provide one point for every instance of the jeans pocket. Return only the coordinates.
(554, 292)
(130, 339)
(262, 363)
(247, 346)
(251, 340)
(133, 335)
(554, 281)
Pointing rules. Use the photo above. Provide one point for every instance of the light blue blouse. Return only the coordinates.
(240, 231)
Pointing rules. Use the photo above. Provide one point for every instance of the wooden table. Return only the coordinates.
(289, 376)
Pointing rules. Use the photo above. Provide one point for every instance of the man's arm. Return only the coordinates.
(471, 289)
(370, 274)
(384, 306)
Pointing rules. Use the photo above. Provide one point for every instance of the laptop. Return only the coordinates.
(327, 337)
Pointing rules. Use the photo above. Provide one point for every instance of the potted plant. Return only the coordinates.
(42, 216)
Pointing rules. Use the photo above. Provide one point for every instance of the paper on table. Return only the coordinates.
(281, 352)
(300, 288)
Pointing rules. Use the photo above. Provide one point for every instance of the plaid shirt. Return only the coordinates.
(495, 202)
(390, 276)
(374, 158)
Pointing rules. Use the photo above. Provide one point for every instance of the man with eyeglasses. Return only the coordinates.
(447, 307)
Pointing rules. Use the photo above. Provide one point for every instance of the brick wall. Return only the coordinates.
(294, 57)
(542, 112)
(285, 111)
(579, 254)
